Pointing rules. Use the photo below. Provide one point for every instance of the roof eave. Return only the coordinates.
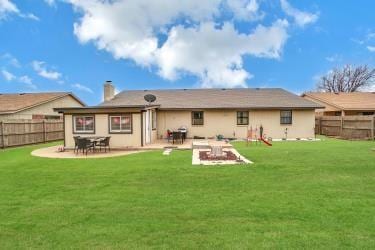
(70, 109)
(44, 102)
(250, 108)
(323, 100)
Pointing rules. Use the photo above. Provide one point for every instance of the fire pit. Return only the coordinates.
(226, 156)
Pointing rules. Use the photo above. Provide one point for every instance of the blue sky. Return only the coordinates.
(75, 45)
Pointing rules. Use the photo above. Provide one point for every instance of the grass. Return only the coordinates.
(296, 195)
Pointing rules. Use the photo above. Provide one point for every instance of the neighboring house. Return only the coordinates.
(132, 122)
(35, 105)
(341, 104)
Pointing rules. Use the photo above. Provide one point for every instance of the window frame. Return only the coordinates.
(121, 131)
(238, 117)
(153, 120)
(83, 132)
(282, 122)
(193, 119)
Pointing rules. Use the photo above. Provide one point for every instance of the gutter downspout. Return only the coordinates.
(142, 128)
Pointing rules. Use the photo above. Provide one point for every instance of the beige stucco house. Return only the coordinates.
(133, 122)
(36, 105)
(343, 104)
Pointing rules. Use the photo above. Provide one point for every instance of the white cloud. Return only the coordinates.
(11, 60)
(246, 9)
(7, 8)
(334, 58)
(132, 29)
(41, 69)
(370, 88)
(370, 35)
(27, 80)
(7, 75)
(301, 18)
(30, 16)
(215, 54)
(367, 41)
(127, 29)
(50, 2)
(82, 88)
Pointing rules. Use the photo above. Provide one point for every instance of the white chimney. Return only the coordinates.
(109, 91)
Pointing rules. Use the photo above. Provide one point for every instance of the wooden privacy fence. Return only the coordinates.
(347, 127)
(23, 132)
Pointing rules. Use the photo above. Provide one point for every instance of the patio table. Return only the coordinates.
(94, 139)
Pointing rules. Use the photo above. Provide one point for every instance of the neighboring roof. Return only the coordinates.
(346, 101)
(12, 103)
(254, 98)
(93, 109)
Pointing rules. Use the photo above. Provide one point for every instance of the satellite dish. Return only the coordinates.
(149, 98)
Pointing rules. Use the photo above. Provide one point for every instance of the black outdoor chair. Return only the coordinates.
(177, 137)
(85, 145)
(169, 135)
(75, 143)
(104, 143)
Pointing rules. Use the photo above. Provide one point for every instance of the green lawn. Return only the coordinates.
(296, 195)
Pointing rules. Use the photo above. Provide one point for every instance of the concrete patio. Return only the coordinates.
(53, 152)
(189, 144)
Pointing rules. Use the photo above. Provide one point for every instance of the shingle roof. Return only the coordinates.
(11, 103)
(259, 98)
(346, 101)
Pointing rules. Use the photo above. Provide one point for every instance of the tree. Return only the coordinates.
(347, 79)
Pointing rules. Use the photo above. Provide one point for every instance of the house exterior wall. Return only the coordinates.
(102, 129)
(216, 122)
(44, 109)
(224, 122)
(303, 125)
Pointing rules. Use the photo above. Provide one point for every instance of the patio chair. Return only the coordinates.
(85, 145)
(169, 135)
(177, 137)
(104, 143)
(76, 143)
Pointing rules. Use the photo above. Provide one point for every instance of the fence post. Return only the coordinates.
(320, 125)
(341, 126)
(373, 127)
(44, 131)
(2, 135)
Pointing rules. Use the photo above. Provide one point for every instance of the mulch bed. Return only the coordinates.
(204, 156)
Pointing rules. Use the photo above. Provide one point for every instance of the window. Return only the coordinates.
(83, 124)
(197, 118)
(242, 118)
(120, 123)
(285, 117)
(153, 119)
